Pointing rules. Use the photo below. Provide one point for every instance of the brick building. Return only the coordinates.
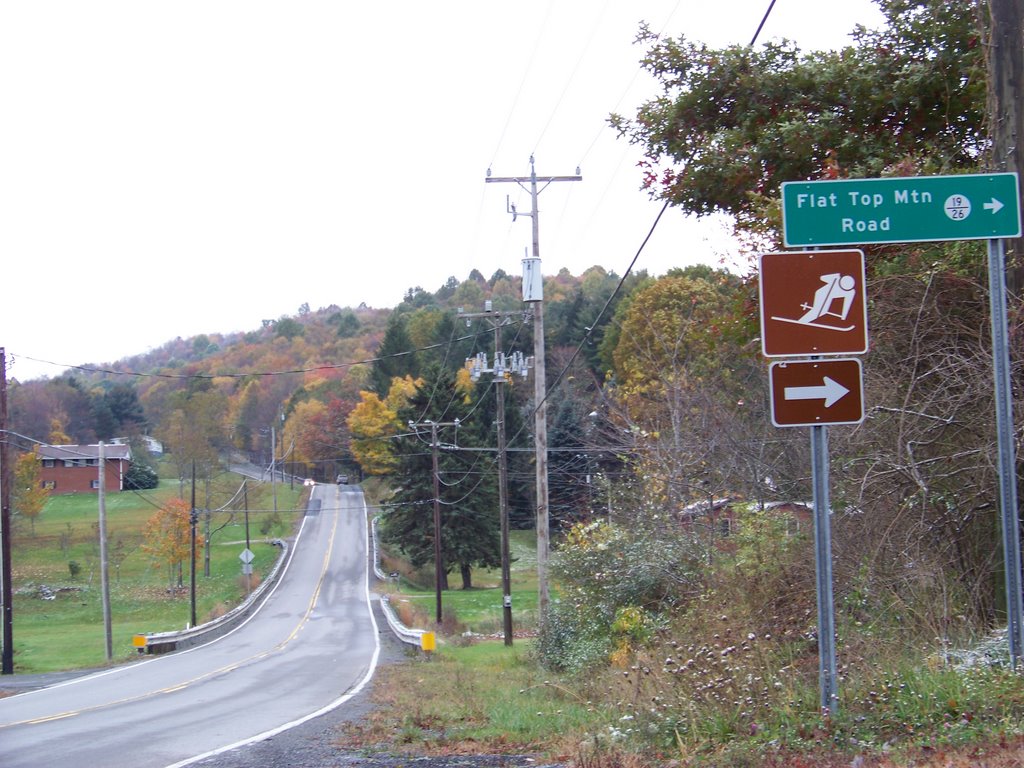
(73, 468)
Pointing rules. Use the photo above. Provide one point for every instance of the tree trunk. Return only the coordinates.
(467, 576)
(1006, 113)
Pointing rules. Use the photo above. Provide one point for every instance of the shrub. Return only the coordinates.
(139, 477)
(616, 582)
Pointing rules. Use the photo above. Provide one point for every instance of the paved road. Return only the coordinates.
(313, 644)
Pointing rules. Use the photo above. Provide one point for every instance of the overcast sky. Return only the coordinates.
(175, 168)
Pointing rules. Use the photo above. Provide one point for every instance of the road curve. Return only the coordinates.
(311, 646)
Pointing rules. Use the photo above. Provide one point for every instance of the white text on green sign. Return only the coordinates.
(901, 210)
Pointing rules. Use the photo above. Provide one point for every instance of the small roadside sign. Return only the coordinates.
(813, 393)
(980, 206)
(247, 556)
(813, 303)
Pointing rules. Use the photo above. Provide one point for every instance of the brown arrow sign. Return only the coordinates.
(816, 392)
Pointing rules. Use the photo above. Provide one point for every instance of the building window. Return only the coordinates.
(50, 485)
(49, 463)
(94, 484)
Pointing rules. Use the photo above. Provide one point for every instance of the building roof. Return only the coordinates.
(62, 452)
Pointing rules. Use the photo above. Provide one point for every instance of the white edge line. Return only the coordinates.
(329, 707)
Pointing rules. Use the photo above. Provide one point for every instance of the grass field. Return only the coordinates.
(478, 610)
(57, 610)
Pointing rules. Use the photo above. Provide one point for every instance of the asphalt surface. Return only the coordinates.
(309, 651)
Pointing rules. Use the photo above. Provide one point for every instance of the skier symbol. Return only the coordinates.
(837, 288)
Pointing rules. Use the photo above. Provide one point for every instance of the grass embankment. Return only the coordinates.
(711, 688)
(478, 610)
(57, 610)
(486, 698)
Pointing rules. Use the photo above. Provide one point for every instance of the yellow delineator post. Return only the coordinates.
(139, 642)
(428, 642)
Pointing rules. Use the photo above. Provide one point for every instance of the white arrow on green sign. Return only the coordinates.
(912, 209)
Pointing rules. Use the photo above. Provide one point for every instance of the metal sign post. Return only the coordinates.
(1005, 447)
(828, 682)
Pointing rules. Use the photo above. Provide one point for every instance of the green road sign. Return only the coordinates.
(901, 210)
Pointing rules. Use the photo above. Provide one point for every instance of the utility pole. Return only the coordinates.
(1005, 62)
(193, 516)
(206, 523)
(7, 660)
(534, 293)
(434, 447)
(273, 459)
(104, 561)
(245, 504)
(502, 366)
(1005, 54)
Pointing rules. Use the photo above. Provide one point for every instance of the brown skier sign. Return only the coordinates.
(813, 303)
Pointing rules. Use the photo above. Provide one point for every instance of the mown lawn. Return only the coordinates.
(57, 610)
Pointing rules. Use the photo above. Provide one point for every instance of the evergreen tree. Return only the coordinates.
(395, 357)
(568, 466)
(467, 483)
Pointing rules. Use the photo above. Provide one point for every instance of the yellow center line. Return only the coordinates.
(52, 718)
(213, 673)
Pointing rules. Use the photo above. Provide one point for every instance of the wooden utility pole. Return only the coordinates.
(438, 561)
(7, 660)
(1006, 113)
(101, 497)
(248, 570)
(193, 517)
(500, 370)
(540, 396)
(273, 467)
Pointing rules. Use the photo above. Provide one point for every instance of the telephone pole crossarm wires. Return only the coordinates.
(533, 293)
(434, 447)
(503, 365)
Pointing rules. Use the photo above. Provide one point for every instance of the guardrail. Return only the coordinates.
(402, 632)
(164, 642)
(377, 571)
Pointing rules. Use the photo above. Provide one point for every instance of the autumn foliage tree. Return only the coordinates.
(167, 539)
(733, 123)
(374, 421)
(29, 496)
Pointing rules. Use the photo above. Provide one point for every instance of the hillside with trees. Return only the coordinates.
(323, 384)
